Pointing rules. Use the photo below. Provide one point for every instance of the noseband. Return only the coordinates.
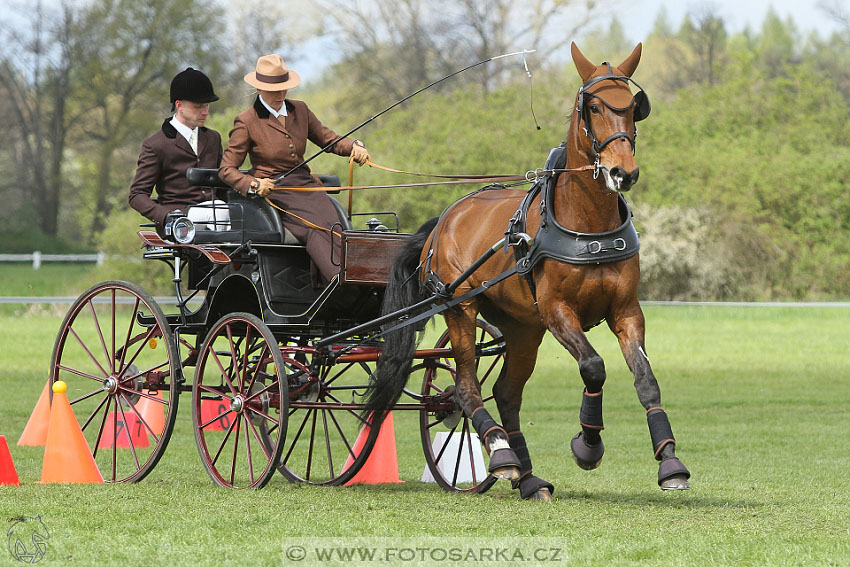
(640, 102)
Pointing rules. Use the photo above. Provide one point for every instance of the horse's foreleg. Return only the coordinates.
(586, 446)
(672, 474)
(504, 462)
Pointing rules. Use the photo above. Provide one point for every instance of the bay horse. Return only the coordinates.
(565, 291)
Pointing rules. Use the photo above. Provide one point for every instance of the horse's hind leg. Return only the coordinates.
(672, 474)
(520, 357)
(504, 462)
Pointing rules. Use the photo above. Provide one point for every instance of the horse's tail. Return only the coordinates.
(403, 289)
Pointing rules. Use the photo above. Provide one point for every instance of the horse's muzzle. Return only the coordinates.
(623, 180)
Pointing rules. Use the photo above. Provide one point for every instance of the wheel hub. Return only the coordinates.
(111, 385)
(237, 404)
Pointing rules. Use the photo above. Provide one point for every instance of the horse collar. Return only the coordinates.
(559, 243)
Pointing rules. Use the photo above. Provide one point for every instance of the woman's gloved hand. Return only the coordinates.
(359, 153)
(262, 186)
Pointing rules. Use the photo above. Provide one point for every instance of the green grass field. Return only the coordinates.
(757, 398)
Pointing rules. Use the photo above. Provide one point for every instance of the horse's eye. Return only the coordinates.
(594, 108)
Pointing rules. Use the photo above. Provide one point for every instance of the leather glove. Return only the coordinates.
(359, 152)
(262, 186)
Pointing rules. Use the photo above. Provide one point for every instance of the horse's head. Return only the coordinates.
(607, 111)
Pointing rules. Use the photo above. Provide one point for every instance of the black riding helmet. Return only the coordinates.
(192, 85)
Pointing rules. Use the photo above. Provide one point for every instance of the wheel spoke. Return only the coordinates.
(224, 372)
(445, 444)
(261, 414)
(310, 450)
(80, 373)
(86, 396)
(115, 441)
(140, 418)
(96, 409)
(259, 439)
(216, 418)
(244, 369)
(100, 331)
(256, 370)
(297, 435)
(112, 354)
(496, 361)
(102, 426)
(343, 436)
(328, 443)
(142, 344)
(470, 454)
(88, 352)
(224, 441)
(127, 429)
(248, 449)
(463, 433)
(265, 389)
(238, 423)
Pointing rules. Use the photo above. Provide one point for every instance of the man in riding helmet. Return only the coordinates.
(181, 143)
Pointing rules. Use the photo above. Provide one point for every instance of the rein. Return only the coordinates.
(531, 176)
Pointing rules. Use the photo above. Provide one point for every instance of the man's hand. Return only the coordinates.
(359, 153)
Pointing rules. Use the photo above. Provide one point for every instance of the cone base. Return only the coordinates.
(8, 474)
(381, 466)
(67, 458)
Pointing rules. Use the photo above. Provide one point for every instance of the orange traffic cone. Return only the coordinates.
(35, 431)
(152, 412)
(66, 454)
(8, 474)
(381, 466)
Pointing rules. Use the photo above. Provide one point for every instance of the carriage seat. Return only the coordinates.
(251, 218)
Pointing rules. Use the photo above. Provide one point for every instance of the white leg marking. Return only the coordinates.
(499, 444)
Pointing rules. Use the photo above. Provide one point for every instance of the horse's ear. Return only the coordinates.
(583, 65)
(630, 64)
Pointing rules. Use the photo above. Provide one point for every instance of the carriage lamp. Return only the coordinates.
(179, 227)
(375, 225)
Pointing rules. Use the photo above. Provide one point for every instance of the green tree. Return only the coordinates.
(36, 65)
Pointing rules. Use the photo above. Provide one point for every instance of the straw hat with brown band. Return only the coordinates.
(272, 75)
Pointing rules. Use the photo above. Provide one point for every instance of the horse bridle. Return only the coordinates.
(640, 102)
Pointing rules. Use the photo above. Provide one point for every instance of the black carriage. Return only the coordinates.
(281, 363)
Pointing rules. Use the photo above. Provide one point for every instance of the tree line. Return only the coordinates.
(742, 185)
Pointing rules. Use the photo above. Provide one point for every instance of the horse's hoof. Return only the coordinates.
(542, 495)
(587, 457)
(504, 464)
(673, 475)
(534, 488)
(677, 482)
(506, 473)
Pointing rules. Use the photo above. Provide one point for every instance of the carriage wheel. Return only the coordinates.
(240, 364)
(448, 438)
(328, 440)
(116, 353)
